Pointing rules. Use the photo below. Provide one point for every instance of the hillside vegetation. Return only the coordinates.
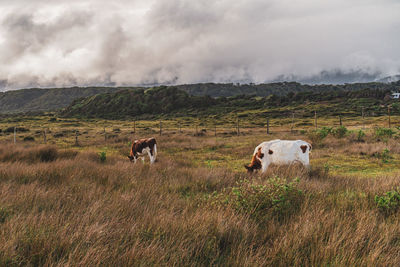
(45, 99)
(58, 98)
(279, 88)
(173, 102)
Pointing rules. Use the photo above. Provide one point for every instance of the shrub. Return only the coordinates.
(18, 129)
(360, 135)
(47, 154)
(103, 156)
(385, 155)
(29, 138)
(4, 213)
(381, 132)
(57, 135)
(339, 132)
(275, 199)
(389, 202)
(316, 136)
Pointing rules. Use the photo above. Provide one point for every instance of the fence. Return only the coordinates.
(235, 126)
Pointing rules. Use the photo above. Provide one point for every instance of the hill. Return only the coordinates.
(172, 102)
(35, 99)
(279, 89)
(50, 99)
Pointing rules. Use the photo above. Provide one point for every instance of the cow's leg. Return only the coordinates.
(154, 152)
(150, 156)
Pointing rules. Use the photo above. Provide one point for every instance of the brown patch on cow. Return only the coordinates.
(259, 153)
(303, 148)
(270, 152)
(139, 145)
(255, 163)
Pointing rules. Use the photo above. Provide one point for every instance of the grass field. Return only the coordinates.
(60, 204)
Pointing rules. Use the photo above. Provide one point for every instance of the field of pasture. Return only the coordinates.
(77, 200)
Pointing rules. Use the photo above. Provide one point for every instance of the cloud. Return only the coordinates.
(88, 42)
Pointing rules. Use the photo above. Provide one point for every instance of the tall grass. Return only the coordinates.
(76, 210)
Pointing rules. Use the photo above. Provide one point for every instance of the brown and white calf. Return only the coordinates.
(279, 152)
(141, 147)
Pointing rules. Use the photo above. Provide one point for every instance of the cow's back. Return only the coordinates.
(285, 151)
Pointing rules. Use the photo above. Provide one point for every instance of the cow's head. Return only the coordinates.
(249, 168)
(255, 162)
(131, 158)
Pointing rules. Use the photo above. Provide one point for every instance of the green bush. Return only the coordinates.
(4, 213)
(316, 136)
(381, 132)
(275, 199)
(360, 135)
(385, 155)
(339, 132)
(389, 202)
(103, 156)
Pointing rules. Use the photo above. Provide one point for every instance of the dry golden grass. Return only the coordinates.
(75, 210)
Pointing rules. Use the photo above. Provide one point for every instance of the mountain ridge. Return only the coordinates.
(52, 99)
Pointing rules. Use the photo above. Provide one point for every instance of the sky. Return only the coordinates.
(63, 43)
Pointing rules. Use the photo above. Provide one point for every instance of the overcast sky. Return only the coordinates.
(96, 42)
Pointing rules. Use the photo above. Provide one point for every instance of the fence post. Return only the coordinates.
(134, 126)
(15, 135)
(76, 138)
(160, 128)
(390, 124)
(315, 118)
(215, 129)
(105, 134)
(44, 136)
(291, 128)
(340, 120)
(267, 125)
(237, 126)
(180, 127)
(362, 117)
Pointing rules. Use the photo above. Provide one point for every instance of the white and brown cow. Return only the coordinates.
(141, 147)
(279, 152)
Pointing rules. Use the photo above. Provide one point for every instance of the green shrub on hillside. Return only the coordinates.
(4, 214)
(103, 156)
(381, 132)
(389, 202)
(360, 135)
(275, 199)
(339, 132)
(316, 136)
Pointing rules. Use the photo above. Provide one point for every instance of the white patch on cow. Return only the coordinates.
(283, 152)
(145, 151)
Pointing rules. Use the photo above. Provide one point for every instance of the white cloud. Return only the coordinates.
(66, 43)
